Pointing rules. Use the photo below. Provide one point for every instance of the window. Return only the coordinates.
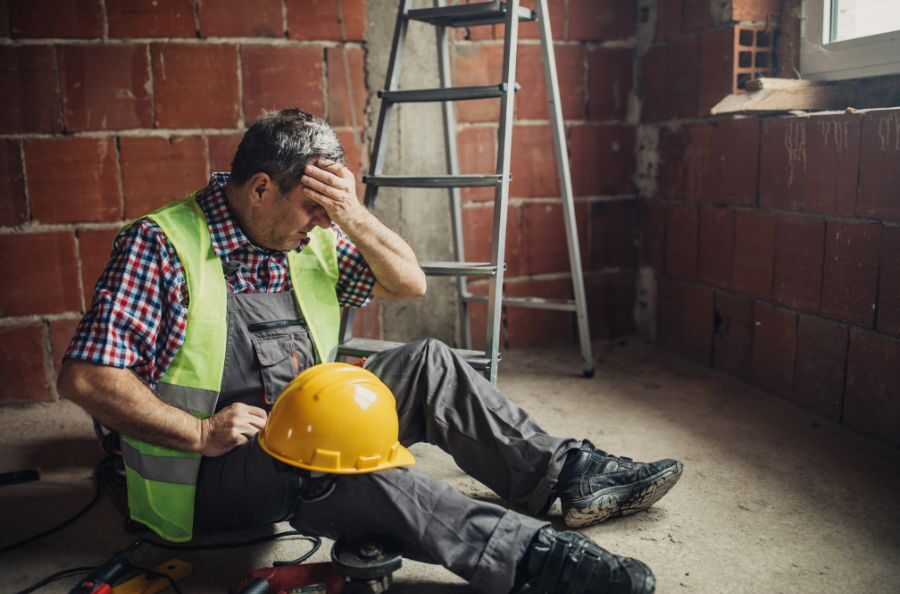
(850, 38)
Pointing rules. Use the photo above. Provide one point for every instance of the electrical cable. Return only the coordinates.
(56, 576)
(102, 469)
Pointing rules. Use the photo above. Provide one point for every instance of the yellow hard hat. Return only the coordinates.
(335, 418)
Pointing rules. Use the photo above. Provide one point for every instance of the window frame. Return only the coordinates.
(874, 55)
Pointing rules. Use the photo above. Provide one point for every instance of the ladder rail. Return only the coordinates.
(448, 113)
(501, 195)
(565, 185)
(391, 83)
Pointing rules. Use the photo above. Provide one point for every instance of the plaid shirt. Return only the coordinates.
(139, 314)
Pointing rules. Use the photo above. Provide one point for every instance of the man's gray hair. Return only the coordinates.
(281, 144)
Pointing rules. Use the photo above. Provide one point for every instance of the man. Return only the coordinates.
(209, 306)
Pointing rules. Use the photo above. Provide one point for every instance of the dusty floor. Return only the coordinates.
(772, 500)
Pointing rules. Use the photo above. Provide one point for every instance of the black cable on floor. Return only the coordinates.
(104, 467)
(56, 576)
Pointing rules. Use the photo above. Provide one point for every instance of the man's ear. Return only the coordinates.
(258, 187)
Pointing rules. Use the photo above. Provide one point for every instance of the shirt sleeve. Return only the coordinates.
(138, 316)
(355, 278)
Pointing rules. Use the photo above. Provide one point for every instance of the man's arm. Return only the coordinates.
(393, 262)
(119, 400)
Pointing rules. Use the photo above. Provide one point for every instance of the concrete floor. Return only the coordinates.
(772, 499)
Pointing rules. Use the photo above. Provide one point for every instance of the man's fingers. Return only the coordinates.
(324, 176)
(256, 411)
(321, 187)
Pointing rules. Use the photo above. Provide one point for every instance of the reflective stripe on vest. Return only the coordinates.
(161, 481)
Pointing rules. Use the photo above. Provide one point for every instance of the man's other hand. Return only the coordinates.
(229, 428)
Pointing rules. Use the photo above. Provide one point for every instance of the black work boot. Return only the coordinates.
(594, 486)
(569, 563)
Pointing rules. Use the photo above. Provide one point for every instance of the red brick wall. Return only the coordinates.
(775, 240)
(595, 52)
(113, 107)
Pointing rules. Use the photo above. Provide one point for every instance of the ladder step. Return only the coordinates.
(435, 181)
(459, 268)
(363, 347)
(531, 302)
(445, 94)
(468, 15)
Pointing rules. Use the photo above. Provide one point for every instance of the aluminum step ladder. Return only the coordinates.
(467, 15)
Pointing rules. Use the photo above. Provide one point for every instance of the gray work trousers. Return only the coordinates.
(440, 400)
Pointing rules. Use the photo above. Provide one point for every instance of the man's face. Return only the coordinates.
(285, 219)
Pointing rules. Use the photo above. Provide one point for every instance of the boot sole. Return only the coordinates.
(622, 500)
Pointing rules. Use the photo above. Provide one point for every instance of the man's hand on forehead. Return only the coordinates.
(331, 185)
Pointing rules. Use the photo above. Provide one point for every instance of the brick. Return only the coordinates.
(668, 19)
(297, 87)
(4, 18)
(810, 164)
(716, 246)
(697, 15)
(195, 86)
(533, 163)
(28, 90)
(653, 234)
(716, 68)
(715, 163)
(105, 87)
(55, 19)
(754, 254)
(733, 338)
(477, 151)
(240, 18)
(222, 148)
(819, 371)
(534, 327)
(367, 321)
(671, 177)
(45, 272)
(756, 10)
(321, 20)
(183, 158)
(140, 19)
(610, 299)
(614, 229)
(850, 283)
(879, 184)
(610, 78)
(73, 180)
(346, 90)
(734, 162)
(22, 365)
(589, 22)
(94, 249)
(799, 254)
(873, 382)
(774, 346)
(602, 160)
(686, 316)
(475, 65)
(61, 334)
(13, 207)
(889, 283)
(544, 246)
(531, 100)
(682, 241)
(478, 223)
(671, 80)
